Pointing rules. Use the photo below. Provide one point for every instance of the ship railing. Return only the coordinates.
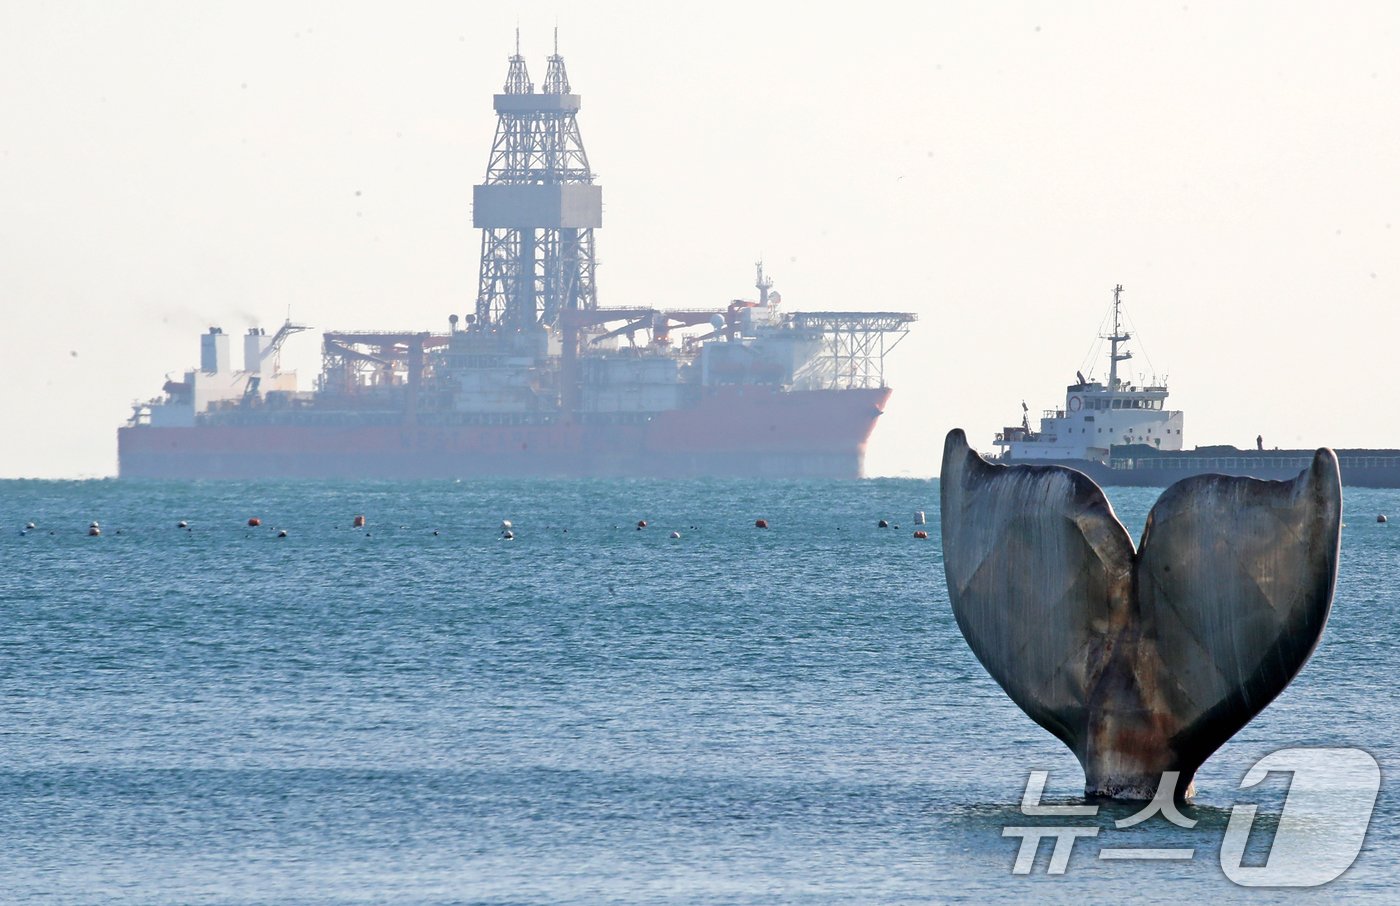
(1244, 463)
(1207, 463)
(1370, 462)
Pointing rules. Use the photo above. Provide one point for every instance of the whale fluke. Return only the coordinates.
(1141, 661)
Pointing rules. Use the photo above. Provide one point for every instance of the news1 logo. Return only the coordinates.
(1319, 832)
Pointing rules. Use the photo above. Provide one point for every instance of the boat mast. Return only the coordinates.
(763, 284)
(1118, 336)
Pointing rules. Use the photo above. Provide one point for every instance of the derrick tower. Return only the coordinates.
(537, 207)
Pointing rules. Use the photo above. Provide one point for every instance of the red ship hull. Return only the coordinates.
(732, 431)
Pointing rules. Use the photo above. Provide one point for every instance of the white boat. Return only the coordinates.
(1097, 416)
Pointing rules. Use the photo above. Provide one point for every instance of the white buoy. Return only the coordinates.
(506, 526)
(282, 533)
(508, 535)
(93, 524)
(29, 526)
(675, 534)
(183, 524)
(919, 518)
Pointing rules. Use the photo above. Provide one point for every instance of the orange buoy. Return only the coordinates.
(760, 523)
(359, 522)
(254, 522)
(921, 534)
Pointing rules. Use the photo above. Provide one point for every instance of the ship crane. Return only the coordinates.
(254, 367)
(274, 348)
(658, 321)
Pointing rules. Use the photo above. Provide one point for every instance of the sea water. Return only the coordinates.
(419, 711)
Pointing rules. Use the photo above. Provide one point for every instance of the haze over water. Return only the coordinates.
(599, 714)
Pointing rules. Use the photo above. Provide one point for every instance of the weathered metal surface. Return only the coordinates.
(1141, 661)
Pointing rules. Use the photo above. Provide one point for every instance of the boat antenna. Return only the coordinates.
(1118, 336)
(1091, 356)
(1143, 349)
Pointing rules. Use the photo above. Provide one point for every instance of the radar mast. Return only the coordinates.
(1118, 336)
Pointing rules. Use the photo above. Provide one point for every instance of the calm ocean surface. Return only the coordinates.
(588, 713)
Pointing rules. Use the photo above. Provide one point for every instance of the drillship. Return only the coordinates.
(1120, 433)
(538, 380)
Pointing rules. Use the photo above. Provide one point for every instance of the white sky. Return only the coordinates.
(994, 167)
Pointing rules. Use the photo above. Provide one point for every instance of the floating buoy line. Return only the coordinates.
(507, 527)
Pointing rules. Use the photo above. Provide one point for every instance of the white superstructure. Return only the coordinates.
(217, 383)
(1096, 416)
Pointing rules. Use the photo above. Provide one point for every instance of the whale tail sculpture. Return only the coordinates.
(1145, 661)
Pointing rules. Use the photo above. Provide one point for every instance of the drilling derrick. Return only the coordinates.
(537, 207)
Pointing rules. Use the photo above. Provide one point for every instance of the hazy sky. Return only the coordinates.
(994, 167)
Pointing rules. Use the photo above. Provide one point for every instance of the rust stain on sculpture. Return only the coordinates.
(1139, 661)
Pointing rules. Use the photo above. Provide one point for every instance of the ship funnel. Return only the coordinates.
(257, 347)
(214, 352)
